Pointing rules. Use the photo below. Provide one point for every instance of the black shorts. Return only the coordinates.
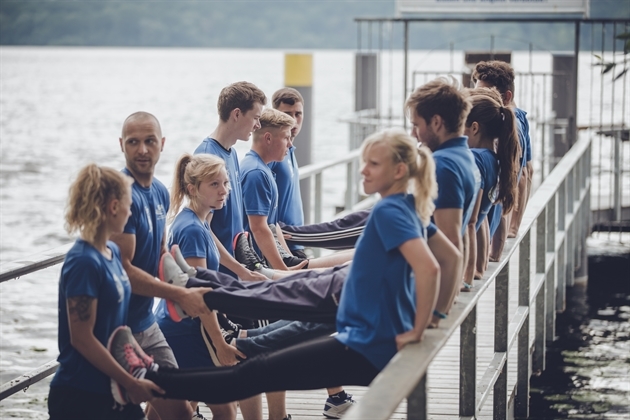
(66, 403)
(299, 253)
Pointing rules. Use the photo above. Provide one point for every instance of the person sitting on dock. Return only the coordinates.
(438, 111)
(490, 125)
(392, 255)
(202, 181)
(141, 245)
(500, 75)
(94, 294)
(271, 142)
(286, 172)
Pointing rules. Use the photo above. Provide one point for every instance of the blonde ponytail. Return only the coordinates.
(425, 185)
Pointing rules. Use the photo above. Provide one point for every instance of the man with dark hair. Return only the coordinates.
(240, 106)
(438, 112)
(500, 75)
(290, 212)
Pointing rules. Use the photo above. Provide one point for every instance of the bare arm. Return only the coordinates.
(427, 272)
(450, 261)
(81, 319)
(449, 221)
(142, 283)
(265, 241)
(469, 267)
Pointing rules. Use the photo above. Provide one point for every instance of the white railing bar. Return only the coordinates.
(28, 379)
(315, 168)
(36, 262)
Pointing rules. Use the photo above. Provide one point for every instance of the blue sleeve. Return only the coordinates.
(393, 226)
(192, 242)
(82, 277)
(257, 193)
(431, 230)
(450, 189)
(528, 141)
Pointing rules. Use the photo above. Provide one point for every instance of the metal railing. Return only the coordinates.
(556, 222)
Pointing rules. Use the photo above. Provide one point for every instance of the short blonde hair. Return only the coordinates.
(89, 195)
(275, 119)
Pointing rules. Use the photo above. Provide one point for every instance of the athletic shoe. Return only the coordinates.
(283, 252)
(229, 326)
(181, 261)
(244, 252)
(170, 272)
(121, 346)
(336, 407)
(212, 350)
(198, 416)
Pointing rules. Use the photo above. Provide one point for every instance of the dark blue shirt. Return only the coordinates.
(488, 165)
(378, 300)
(148, 223)
(86, 272)
(260, 193)
(457, 177)
(228, 221)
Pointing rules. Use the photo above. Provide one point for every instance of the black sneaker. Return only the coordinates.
(229, 326)
(244, 252)
(123, 347)
(212, 350)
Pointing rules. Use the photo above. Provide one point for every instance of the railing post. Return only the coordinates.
(318, 197)
(550, 281)
(501, 299)
(417, 408)
(572, 228)
(538, 362)
(561, 253)
(468, 365)
(521, 408)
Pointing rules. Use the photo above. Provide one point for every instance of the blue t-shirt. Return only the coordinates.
(488, 165)
(148, 223)
(194, 240)
(228, 221)
(287, 177)
(457, 177)
(260, 193)
(86, 272)
(522, 127)
(378, 300)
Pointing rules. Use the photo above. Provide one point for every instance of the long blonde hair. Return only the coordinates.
(192, 170)
(420, 167)
(89, 195)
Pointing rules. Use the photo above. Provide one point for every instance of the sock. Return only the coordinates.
(339, 395)
(267, 272)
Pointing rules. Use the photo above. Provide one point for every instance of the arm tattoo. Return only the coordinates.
(80, 305)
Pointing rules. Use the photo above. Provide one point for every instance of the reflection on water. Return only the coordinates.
(588, 367)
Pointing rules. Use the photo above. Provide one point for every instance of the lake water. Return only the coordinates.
(61, 108)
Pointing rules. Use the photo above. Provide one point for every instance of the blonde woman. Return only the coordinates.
(94, 296)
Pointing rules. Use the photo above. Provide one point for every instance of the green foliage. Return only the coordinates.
(608, 66)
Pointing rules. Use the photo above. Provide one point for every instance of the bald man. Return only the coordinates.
(141, 246)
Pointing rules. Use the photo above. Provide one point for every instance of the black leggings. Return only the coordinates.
(315, 364)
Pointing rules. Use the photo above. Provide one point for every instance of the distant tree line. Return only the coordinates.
(257, 24)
